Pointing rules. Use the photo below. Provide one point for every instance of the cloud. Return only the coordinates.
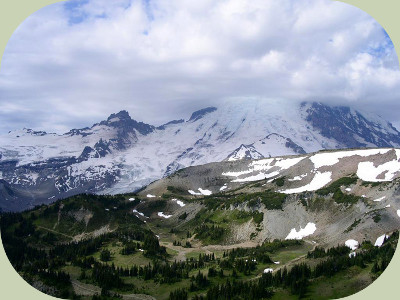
(71, 64)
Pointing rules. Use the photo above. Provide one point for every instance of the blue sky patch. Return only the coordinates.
(75, 13)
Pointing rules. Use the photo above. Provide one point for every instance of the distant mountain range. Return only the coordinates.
(120, 155)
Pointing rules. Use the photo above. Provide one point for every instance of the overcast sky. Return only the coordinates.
(72, 64)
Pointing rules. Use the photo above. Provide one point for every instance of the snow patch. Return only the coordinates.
(201, 192)
(352, 244)
(150, 196)
(330, 159)
(298, 178)
(205, 192)
(259, 176)
(348, 189)
(380, 199)
(194, 193)
(319, 181)
(179, 202)
(139, 213)
(368, 172)
(268, 270)
(224, 187)
(263, 166)
(380, 240)
(352, 254)
(245, 152)
(162, 215)
(116, 119)
(288, 162)
(131, 199)
(303, 232)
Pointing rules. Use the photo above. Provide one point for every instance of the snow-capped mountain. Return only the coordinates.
(244, 152)
(121, 155)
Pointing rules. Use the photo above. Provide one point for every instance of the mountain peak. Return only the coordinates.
(197, 115)
(244, 152)
(122, 115)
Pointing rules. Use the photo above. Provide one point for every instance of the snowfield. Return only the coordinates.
(270, 168)
(203, 192)
(319, 181)
(380, 240)
(303, 232)
(330, 159)
(262, 167)
(104, 159)
(368, 172)
(162, 215)
(379, 199)
(352, 244)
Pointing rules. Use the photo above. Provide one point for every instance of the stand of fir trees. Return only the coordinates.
(298, 278)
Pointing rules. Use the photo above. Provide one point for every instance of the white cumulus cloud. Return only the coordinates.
(73, 63)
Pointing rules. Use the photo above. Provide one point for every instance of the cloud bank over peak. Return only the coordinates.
(73, 63)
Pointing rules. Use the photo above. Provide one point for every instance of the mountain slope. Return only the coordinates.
(330, 190)
(122, 155)
(332, 217)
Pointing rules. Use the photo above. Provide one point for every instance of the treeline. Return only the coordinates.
(259, 253)
(187, 244)
(295, 280)
(107, 277)
(319, 252)
(209, 233)
(165, 272)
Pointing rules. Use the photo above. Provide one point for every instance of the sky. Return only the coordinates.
(72, 64)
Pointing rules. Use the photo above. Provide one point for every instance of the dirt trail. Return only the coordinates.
(138, 297)
(56, 232)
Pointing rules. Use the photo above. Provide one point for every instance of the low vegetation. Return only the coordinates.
(335, 189)
(335, 186)
(353, 225)
(137, 257)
